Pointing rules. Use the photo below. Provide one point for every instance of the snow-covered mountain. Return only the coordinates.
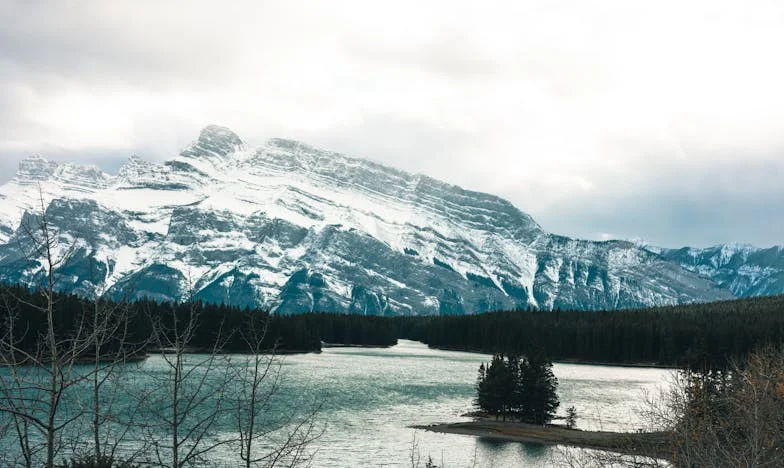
(294, 228)
(743, 269)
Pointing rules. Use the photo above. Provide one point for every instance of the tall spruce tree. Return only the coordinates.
(537, 400)
(494, 386)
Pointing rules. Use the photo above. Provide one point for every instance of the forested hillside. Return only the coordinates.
(697, 335)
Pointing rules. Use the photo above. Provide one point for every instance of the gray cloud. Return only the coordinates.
(108, 42)
(680, 205)
(660, 121)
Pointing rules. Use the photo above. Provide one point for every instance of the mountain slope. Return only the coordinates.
(743, 269)
(294, 228)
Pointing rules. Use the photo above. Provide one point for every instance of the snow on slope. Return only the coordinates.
(743, 269)
(291, 227)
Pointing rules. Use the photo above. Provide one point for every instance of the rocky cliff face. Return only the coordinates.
(293, 228)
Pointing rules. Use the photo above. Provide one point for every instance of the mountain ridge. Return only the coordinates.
(294, 228)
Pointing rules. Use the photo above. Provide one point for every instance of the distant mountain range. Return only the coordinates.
(743, 269)
(293, 228)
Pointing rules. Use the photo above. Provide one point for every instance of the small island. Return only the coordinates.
(517, 401)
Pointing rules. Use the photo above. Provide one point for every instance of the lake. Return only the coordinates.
(369, 398)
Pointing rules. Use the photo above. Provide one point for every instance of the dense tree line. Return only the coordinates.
(697, 335)
(294, 333)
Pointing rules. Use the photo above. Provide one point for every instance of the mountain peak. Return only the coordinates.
(214, 140)
(35, 168)
(134, 160)
(737, 247)
(88, 177)
(134, 167)
(217, 133)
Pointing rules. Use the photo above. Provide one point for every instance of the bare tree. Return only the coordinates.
(40, 377)
(112, 350)
(12, 385)
(265, 439)
(733, 418)
(190, 394)
(576, 457)
(43, 366)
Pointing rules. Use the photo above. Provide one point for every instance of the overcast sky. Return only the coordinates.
(602, 119)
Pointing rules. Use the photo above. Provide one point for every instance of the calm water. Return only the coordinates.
(370, 397)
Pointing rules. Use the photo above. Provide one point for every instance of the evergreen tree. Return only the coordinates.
(571, 417)
(536, 397)
(524, 388)
(494, 387)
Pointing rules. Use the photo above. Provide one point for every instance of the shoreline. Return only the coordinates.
(341, 345)
(645, 365)
(648, 444)
(201, 351)
(642, 365)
